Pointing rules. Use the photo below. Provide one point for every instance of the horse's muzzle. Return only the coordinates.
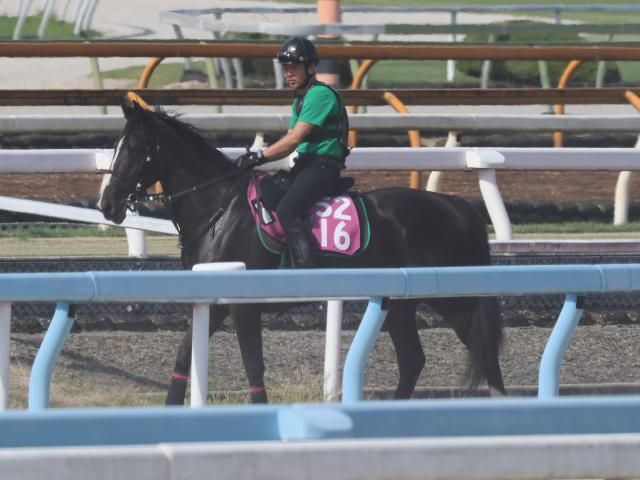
(112, 212)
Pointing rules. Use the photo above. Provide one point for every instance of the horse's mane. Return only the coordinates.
(202, 142)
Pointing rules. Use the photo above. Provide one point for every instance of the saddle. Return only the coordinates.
(338, 224)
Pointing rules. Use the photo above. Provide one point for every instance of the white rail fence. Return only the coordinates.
(485, 161)
(384, 122)
(376, 122)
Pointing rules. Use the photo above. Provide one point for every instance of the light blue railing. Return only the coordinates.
(374, 284)
(351, 419)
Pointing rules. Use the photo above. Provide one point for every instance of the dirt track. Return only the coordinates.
(142, 362)
(123, 363)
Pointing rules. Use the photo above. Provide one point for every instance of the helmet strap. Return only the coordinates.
(307, 79)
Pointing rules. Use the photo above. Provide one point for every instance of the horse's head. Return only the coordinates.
(133, 168)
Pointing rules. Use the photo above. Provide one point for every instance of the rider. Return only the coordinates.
(316, 133)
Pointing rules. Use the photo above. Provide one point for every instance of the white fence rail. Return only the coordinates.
(241, 122)
(485, 161)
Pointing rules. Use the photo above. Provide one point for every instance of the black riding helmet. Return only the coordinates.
(298, 50)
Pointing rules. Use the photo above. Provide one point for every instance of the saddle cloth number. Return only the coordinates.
(335, 224)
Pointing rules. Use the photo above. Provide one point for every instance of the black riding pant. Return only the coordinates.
(310, 183)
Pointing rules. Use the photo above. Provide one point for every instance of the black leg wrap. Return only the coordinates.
(177, 392)
(259, 396)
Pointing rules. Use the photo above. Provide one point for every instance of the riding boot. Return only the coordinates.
(300, 245)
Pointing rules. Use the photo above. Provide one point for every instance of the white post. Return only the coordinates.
(332, 350)
(495, 204)
(623, 195)
(435, 177)
(200, 338)
(200, 355)
(485, 162)
(46, 15)
(23, 13)
(136, 242)
(5, 354)
(451, 64)
(621, 201)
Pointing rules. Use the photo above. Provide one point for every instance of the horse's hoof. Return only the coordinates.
(259, 397)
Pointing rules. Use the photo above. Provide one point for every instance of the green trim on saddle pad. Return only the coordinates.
(271, 245)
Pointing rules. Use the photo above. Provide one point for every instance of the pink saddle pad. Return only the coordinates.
(334, 222)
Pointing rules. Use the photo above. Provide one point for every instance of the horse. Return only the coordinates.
(205, 194)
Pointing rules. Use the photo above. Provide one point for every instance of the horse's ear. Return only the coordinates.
(132, 103)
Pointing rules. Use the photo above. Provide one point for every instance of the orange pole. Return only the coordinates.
(358, 78)
(133, 97)
(634, 99)
(143, 82)
(414, 135)
(329, 12)
(559, 109)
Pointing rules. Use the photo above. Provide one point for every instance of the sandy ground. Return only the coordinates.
(108, 366)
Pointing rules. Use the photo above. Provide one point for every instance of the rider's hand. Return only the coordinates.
(251, 159)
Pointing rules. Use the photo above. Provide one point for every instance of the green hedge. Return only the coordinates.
(526, 72)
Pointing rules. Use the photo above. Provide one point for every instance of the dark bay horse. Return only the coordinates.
(408, 228)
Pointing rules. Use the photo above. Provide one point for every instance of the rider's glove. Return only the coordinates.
(251, 159)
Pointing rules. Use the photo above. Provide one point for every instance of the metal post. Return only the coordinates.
(23, 12)
(200, 355)
(188, 64)
(83, 10)
(97, 79)
(5, 353)
(495, 205)
(361, 347)
(332, 350)
(451, 64)
(200, 338)
(46, 15)
(549, 373)
(543, 72)
(42, 370)
(136, 242)
(486, 67)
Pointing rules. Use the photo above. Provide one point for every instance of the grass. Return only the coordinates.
(583, 228)
(84, 389)
(91, 232)
(387, 73)
(93, 242)
(23, 247)
(401, 73)
(60, 232)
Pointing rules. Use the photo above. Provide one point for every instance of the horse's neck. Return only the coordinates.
(203, 200)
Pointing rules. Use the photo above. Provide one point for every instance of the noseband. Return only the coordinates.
(139, 196)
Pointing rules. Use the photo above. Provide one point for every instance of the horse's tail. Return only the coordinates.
(485, 323)
(484, 341)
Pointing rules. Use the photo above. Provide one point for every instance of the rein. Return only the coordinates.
(139, 196)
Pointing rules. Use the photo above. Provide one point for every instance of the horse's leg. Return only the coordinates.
(246, 319)
(478, 324)
(178, 386)
(401, 324)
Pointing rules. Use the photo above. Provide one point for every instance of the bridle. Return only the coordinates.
(139, 195)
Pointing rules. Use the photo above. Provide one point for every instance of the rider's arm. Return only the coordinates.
(288, 143)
